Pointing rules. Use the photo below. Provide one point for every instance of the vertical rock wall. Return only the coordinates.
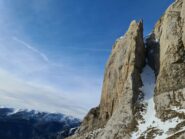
(170, 84)
(113, 118)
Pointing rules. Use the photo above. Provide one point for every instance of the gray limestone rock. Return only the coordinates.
(114, 117)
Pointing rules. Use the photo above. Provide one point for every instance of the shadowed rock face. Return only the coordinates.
(120, 90)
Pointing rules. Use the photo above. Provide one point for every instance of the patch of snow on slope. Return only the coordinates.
(178, 110)
(150, 120)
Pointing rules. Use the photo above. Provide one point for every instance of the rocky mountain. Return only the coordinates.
(24, 124)
(143, 94)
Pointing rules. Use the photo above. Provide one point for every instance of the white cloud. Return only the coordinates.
(31, 48)
(21, 94)
(28, 82)
(31, 79)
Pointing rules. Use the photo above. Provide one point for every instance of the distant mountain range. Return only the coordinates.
(26, 124)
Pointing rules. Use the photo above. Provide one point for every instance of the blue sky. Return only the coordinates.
(53, 52)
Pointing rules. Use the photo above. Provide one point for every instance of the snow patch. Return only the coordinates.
(178, 109)
(156, 40)
(150, 120)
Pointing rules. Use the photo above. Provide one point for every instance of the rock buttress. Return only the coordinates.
(167, 42)
(114, 117)
(169, 34)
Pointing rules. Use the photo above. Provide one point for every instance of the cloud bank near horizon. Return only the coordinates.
(30, 80)
(32, 76)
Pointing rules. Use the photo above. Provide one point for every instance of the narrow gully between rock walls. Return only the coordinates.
(150, 121)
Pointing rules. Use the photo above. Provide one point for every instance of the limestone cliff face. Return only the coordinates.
(169, 34)
(125, 108)
(113, 118)
(168, 60)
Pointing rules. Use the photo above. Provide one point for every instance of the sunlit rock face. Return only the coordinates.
(143, 99)
(113, 118)
(170, 83)
(168, 38)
